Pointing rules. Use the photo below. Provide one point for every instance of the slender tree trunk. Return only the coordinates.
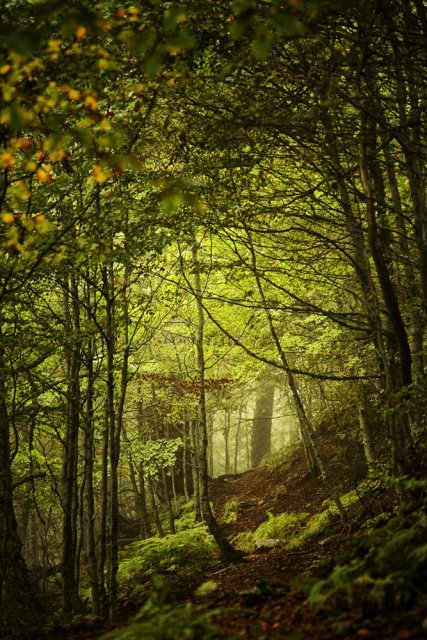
(145, 524)
(104, 514)
(411, 284)
(185, 458)
(366, 435)
(113, 520)
(210, 445)
(262, 420)
(307, 431)
(19, 610)
(195, 469)
(226, 434)
(398, 428)
(237, 440)
(89, 456)
(228, 552)
(154, 509)
(69, 467)
(169, 507)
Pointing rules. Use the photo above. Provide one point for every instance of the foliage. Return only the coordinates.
(383, 569)
(281, 527)
(320, 522)
(186, 518)
(187, 551)
(162, 619)
(244, 541)
(230, 511)
(129, 133)
(156, 454)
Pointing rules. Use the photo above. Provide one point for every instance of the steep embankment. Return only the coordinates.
(376, 593)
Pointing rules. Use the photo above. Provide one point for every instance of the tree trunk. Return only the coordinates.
(154, 509)
(262, 420)
(237, 440)
(195, 468)
(89, 457)
(226, 434)
(19, 610)
(366, 435)
(70, 456)
(228, 552)
(307, 432)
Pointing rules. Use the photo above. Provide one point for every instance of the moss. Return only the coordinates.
(384, 568)
(230, 511)
(320, 522)
(190, 550)
(281, 459)
(316, 525)
(281, 526)
(163, 619)
(245, 541)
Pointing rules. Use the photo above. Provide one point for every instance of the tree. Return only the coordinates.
(263, 413)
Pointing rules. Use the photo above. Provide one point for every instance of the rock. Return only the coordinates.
(266, 544)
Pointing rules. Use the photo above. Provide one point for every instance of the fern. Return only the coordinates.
(189, 550)
(162, 619)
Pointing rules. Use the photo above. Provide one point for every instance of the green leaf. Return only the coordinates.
(171, 203)
(153, 63)
(262, 44)
(172, 17)
(142, 41)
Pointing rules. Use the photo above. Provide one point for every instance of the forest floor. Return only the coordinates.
(265, 596)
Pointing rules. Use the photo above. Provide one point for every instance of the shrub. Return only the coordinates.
(320, 522)
(244, 541)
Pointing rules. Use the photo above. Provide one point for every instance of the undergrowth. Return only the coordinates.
(162, 618)
(384, 567)
(230, 511)
(186, 518)
(280, 527)
(188, 551)
(294, 530)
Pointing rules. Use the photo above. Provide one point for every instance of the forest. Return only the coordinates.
(213, 305)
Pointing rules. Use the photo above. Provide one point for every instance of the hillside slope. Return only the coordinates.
(373, 567)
